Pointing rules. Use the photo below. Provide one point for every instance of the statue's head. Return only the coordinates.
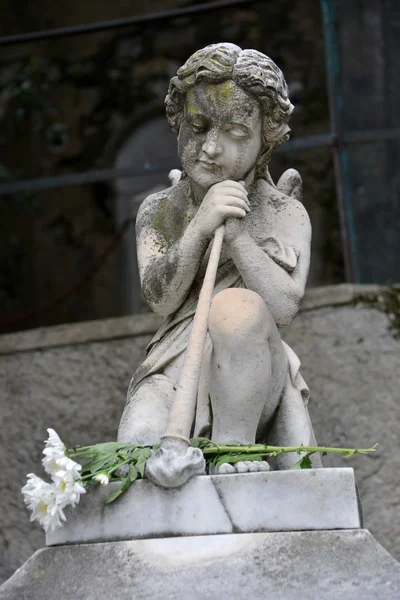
(230, 109)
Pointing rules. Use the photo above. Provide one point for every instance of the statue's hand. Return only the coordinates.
(174, 464)
(224, 200)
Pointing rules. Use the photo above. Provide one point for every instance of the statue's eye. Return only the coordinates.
(197, 127)
(237, 132)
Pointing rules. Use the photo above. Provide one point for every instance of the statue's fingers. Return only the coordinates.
(232, 211)
(239, 185)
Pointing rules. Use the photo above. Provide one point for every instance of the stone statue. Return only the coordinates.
(230, 109)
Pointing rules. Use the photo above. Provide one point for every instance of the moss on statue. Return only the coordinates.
(221, 94)
(170, 219)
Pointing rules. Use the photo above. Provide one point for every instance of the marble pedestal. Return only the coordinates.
(211, 504)
(283, 535)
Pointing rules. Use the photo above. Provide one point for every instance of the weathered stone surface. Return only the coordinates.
(239, 503)
(331, 565)
(350, 360)
(79, 390)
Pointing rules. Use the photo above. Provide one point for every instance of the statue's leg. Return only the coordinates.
(145, 414)
(248, 365)
(292, 426)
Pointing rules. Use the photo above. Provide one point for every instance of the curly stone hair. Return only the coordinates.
(254, 72)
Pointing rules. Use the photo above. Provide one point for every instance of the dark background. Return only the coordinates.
(80, 103)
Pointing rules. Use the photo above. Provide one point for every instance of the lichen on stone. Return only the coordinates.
(387, 301)
(170, 217)
(221, 93)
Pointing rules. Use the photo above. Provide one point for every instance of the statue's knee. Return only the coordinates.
(237, 312)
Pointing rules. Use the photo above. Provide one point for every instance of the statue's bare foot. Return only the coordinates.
(245, 466)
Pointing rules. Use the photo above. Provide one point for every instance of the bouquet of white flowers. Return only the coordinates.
(125, 463)
(48, 500)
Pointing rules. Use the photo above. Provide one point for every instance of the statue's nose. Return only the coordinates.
(212, 145)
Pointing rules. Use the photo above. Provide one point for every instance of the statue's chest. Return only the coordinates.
(266, 221)
(262, 223)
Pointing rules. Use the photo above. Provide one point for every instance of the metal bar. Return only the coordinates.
(340, 157)
(374, 135)
(94, 176)
(38, 36)
(46, 183)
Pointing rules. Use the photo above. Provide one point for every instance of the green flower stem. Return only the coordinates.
(264, 449)
(90, 475)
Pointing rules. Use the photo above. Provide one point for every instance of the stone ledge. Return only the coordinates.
(216, 504)
(148, 323)
(86, 332)
(311, 565)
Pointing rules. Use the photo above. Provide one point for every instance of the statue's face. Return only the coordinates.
(220, 136)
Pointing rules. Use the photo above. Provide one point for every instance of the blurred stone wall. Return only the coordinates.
(73, 378)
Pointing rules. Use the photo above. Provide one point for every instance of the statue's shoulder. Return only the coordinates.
(286, 208)
(173, 196)
(164, 212)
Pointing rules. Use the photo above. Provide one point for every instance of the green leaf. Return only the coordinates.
(349, 454)
(303, 463)
(141, 461)
(132, 474)
(201, 442)
(116, 493)
(130, 478)
(101, 462)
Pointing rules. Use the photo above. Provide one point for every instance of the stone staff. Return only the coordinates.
(175, 462)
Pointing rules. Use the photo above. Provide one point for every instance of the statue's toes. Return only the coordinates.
(263, 466)
(252, 466)
(242, 466)
(226, 469)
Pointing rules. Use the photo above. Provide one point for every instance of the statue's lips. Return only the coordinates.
(209, 165)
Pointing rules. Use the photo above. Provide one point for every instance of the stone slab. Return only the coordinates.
(311, 565)
(243, 502)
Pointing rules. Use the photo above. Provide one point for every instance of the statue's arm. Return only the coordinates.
(166, 273)
(281, 289)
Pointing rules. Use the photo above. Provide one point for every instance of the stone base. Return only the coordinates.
(241, 503)
(311, 565)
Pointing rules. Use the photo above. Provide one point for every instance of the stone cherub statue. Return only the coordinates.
(230, 110)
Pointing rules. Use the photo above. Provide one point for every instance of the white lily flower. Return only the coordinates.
(67, 482)
(33, 489)
(67, 469)
(40, 497)
(45, 500)
(68, 491)
(54, 451)
(101, 478)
